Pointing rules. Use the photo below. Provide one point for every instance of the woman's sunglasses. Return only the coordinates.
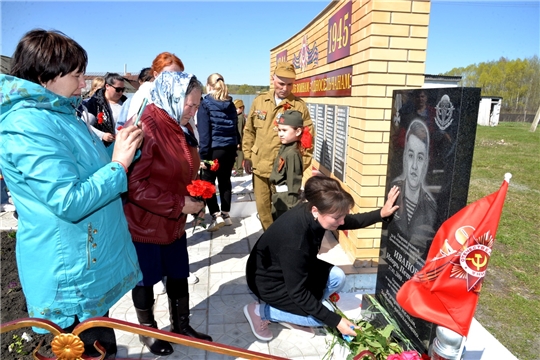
(118, 89)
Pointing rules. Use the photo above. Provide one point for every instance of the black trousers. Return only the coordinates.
(143, 296)
(226, 157)
(105, 336)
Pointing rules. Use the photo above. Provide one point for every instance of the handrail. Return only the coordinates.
(70, 347)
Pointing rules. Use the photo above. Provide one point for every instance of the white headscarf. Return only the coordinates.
(169, 92)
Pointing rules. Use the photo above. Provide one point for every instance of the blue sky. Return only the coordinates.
(235, 38)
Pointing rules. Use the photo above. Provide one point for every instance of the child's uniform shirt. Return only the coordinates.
(286, 179)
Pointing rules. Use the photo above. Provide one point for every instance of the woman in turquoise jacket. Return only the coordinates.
(74, 253)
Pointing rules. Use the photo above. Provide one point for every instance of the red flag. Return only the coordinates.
(445, 291)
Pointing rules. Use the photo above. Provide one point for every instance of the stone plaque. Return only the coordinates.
(340, 149)
(312, 108)
(319, 138)
(328, 145)
(430, 157)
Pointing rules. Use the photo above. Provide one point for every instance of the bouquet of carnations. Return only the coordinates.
(200, 190)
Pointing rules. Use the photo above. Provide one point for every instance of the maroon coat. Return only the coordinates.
(157, 182)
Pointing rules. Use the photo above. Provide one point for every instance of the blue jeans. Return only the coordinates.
(3, 192)
(336, 281)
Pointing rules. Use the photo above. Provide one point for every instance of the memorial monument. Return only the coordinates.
(348, 60)
(430, 159)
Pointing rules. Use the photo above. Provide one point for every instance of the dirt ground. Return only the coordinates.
(13, 306)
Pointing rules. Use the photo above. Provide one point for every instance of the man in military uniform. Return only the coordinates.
(261, 143)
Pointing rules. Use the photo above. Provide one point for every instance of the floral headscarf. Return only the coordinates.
(169, 92)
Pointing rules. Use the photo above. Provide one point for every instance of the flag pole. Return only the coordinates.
(447, 345)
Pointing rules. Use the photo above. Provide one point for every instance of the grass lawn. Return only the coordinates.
(509, 305)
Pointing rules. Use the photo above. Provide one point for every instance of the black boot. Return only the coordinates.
(156, 346)
(179, 310)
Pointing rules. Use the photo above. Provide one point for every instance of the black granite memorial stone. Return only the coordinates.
(430, 157)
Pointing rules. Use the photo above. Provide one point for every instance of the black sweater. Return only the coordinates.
(283, 269)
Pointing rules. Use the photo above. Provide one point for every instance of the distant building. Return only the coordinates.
(440, 81)
(132, 83)
(5, 64)
(489, 110)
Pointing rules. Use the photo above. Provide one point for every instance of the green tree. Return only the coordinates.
(516, 81)
(246, 89)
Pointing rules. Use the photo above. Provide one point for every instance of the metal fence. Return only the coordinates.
(517, 117)
(247, 99)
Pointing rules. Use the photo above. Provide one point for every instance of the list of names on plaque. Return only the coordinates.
(340, 156)
(319, 139)
(328, 145)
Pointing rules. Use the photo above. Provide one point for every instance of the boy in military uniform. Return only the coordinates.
(286, 176)
(260, 143)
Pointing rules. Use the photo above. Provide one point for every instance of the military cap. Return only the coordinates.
(286, 70)
(291, 118)
(238, 103)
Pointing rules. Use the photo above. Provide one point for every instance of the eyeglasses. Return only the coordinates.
(118, 89)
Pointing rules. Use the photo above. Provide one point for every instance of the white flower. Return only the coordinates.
(26, 337)
(10, 347)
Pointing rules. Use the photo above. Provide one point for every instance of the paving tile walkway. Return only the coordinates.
(217, 301)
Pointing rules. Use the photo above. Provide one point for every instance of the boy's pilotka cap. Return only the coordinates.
(291, 118)
(238, 103)
(286, 70)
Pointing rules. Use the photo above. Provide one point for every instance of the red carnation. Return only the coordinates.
(214, 164)
(100, 118)
(201, 189)
(286, 106)
(334, 298)
(305, 139)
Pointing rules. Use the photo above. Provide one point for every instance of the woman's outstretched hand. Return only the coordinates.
(389, 208)
(344, 327)
(128, 140)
